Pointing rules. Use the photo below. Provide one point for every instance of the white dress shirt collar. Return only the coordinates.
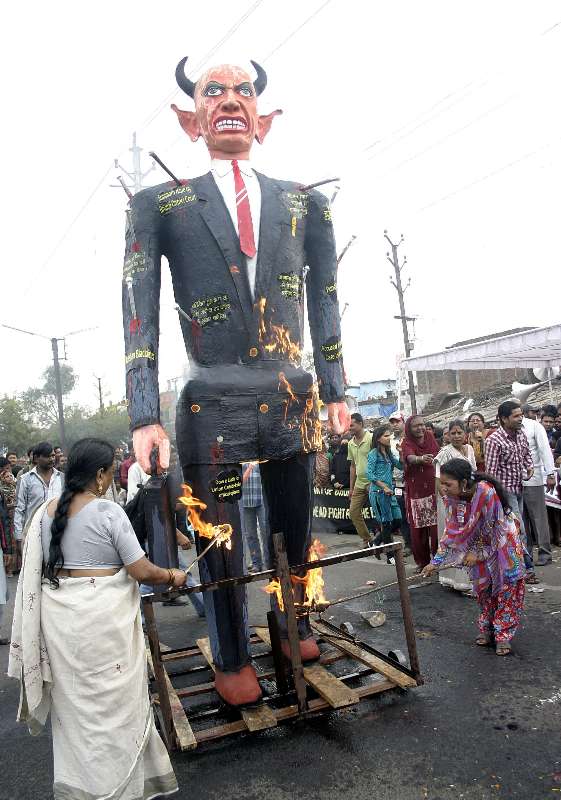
(223, 167)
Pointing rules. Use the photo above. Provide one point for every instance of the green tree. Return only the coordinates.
(16, 429)
(41, 402)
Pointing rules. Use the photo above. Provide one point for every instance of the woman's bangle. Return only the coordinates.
(171, 578)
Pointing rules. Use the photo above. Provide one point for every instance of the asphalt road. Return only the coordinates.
(480, 727)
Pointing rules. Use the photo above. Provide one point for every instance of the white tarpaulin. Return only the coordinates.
(536, 348)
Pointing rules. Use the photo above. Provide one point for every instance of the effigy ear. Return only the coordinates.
(188, 121)
(264, 122)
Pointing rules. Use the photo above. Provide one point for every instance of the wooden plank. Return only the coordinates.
(256, 719)
(325, 684)
(329, 687)
(204, 647)
(356, 652)
(259, 718)
(150, 663)
(182, 729)
(281, 714)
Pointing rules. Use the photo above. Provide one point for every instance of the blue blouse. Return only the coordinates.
(380, 468)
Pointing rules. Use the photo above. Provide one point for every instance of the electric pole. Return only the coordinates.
(100, 392)
(58, 384)
(137, 175)
(394, 261)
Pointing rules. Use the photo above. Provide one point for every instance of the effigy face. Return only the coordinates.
(225, 113)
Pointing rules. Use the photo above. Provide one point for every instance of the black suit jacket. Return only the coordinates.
(247, 396)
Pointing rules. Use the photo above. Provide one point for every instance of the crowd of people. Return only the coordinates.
(468, 501)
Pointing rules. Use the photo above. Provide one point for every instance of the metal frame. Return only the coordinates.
(167, 700)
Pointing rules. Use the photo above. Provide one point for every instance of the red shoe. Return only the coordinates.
(309, 651)
(238, 688)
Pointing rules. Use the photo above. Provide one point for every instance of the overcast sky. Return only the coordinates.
(441, 118)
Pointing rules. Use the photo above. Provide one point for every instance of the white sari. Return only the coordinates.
(79, 654)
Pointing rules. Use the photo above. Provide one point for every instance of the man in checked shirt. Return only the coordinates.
(508, 458)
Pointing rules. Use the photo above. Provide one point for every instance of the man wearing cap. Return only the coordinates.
(397, 422)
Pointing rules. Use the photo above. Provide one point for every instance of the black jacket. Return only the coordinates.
(247, 396)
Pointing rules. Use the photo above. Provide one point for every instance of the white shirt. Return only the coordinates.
(223, 174)
(540, 452)
(31, 492)
(136, 476)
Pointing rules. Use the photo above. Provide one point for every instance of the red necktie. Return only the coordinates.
(245, 225)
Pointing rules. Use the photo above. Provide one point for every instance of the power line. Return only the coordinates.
(229, 33)
(489, 175)
(35, 274)
(483, 82)
(296, 30)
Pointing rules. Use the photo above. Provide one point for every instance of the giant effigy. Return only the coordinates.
(244, 251)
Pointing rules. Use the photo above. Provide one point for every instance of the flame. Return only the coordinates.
(310, 427)
(274, 587)
(313, 581)
(284, 386)
(277, 339)
(222, 533)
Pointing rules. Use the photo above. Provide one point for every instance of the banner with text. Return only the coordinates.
(331, 512)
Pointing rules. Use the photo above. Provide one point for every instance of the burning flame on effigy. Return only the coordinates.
(221, 533)
(313, 581)
(310, 425)
(276, 338)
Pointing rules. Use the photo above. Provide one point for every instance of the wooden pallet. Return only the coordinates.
(179, 713)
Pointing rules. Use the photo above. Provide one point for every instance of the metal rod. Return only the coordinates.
(283, 572)
(407, 614)
(165, 169)
(182, 313)
(228, 583)
(318, 183)
(128, 192)
(213, 541)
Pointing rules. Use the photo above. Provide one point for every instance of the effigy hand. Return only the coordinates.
(338, 417)
(144, 440)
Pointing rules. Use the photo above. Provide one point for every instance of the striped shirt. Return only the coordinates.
(508, 458)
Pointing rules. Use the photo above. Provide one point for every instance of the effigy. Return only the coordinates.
(244, 251)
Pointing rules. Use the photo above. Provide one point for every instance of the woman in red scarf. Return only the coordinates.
(418, 450)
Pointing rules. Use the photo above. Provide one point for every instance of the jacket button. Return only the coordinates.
(263, 408)
(195, 408)
(253, 351)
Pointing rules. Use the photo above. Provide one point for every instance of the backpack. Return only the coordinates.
(134, 510)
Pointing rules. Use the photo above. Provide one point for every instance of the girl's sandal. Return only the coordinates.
(483, 641)
(503, 650)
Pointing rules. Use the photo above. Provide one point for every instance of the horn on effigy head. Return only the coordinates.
(183, 81)
(261, 81)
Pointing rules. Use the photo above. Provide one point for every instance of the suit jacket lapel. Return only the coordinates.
(219, 222)
(270, 229)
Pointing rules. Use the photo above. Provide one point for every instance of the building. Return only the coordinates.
(374, 398)
(433, 386)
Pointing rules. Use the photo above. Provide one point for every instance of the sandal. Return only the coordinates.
(483, 640)
(531, 579)
(503, 649)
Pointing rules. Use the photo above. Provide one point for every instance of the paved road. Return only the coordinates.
(480, 728)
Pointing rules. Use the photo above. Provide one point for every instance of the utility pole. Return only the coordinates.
(394, 261)
(56, 365)
(100, 392)
(58, 384)
(137, 175)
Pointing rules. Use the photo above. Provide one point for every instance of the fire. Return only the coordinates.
(313, 581)
(310, 427)
(274, 587)
(277, 339)
(195, 507)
